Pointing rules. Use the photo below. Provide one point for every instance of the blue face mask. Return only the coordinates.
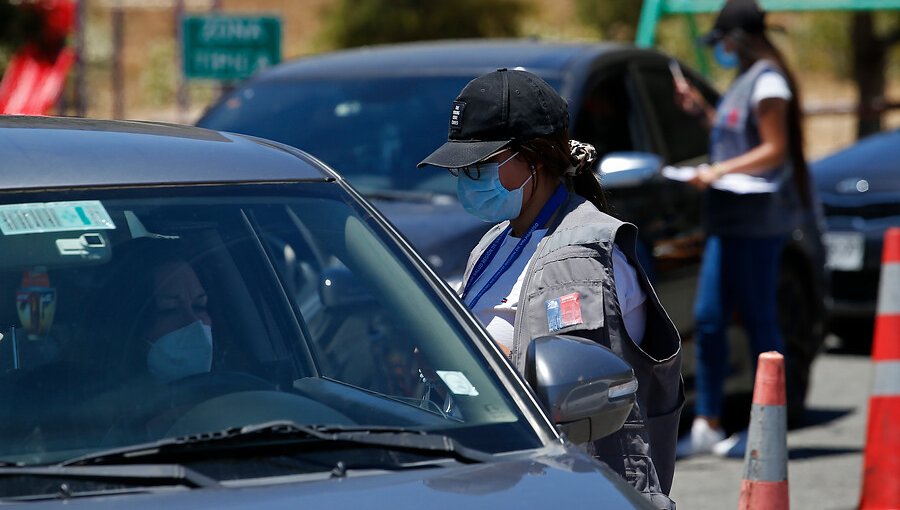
(724, 58)
(486, 197)
(180, 353)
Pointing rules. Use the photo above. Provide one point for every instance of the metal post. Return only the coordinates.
(80, 26)
(651, 12)
(224, 86)
(182, 92)
(702, 61)
(118, 74)
(15, 347)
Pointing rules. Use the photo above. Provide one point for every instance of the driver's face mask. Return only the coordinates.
(180, 353)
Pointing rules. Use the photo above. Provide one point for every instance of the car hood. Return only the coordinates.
(866, 169)
(571, 480)
(440, 230)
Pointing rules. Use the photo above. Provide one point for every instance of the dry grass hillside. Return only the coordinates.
(149, 51)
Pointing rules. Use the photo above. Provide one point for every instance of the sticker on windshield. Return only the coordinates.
(36, 218)
(457, 382)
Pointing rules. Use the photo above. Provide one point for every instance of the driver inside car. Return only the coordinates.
(157, 326)
(178, 332)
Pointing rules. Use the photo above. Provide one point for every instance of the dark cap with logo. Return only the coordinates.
(496, 110)
(737, 14)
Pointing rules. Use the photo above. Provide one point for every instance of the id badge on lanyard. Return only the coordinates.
(484, 261)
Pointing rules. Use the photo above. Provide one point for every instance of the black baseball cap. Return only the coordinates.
(737, 14)
(496, 110)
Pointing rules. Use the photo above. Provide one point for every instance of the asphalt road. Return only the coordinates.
(825, 454)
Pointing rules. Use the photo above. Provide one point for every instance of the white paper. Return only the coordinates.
(734, 182)
(35, 218)
(457, 382)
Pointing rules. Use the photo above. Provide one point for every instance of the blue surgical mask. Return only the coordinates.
(180, 353)
(726, 59)
(486, 197)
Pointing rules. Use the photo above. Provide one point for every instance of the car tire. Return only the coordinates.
(801, 330)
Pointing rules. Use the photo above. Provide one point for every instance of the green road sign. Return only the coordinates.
(229, 47)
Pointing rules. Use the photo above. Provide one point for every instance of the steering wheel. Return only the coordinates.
(166, 403)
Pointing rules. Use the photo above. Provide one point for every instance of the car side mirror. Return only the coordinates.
(587, 389)
(628, 169)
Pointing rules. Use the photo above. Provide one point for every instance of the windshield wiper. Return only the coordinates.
(140, 475)
(287, 433)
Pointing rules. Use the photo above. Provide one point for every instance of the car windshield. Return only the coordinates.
(137, 314)
(373, 131)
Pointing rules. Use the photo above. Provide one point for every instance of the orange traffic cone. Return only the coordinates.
(765, 484)
(881, 475)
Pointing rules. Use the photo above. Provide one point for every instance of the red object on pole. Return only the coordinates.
(881, 472)
(36, 74)
(765, 483)
(32, 84)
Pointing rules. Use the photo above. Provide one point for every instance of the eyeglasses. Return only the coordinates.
(474, 171)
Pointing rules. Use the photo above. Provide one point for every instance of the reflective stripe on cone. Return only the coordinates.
(765, 484)
(881, 474)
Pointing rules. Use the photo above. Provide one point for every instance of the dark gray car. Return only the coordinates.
(860, 190)
(194, 319)
(373, 113)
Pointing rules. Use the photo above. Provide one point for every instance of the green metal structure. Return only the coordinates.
(654, 10)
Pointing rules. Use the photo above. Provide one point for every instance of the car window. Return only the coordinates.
(157, 313)
(374, 131)
(683, 136)
(607, 118)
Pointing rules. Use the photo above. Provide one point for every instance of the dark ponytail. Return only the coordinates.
(749, 47)
(567, 159)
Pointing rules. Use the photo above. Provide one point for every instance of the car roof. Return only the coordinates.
(463, 57)
(875, 153)
(51, 152)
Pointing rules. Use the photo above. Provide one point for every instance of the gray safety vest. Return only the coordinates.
(736, 131)
(576, 256)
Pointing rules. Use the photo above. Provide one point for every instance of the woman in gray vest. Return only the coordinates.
(757, 188)
(556, 264)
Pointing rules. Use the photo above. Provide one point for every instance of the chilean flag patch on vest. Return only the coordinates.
(733, 117)
(564, 311)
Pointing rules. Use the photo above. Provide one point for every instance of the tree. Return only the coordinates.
(616, 19)
(870, 51)
(352, 23)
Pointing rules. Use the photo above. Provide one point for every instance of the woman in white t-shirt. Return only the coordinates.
(755, 137)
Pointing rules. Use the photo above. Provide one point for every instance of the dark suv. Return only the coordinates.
(373, 113)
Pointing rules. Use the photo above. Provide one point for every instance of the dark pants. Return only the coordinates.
(739, 272)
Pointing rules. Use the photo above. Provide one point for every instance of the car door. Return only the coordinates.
(681, 139)
(616, 115)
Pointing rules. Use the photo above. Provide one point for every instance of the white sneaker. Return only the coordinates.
(733, 447)
(700, 440)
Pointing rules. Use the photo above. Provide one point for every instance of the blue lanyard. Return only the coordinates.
(484, 261)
